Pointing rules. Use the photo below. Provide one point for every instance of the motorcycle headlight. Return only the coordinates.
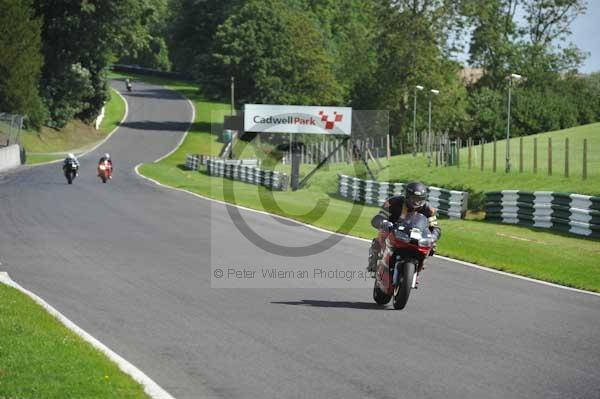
(402, 236)
(426, 242)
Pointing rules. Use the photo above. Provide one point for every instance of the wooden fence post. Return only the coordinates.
(549, 156)
(458, 145)
(567, 157)
(436, 149)
(482, 159)
(447, 156)
(535, 155)
(349, 155)
(584, 170)
(469, 145)
(494, 156)
(520, 154)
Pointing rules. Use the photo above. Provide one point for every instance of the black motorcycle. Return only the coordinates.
(70, 168)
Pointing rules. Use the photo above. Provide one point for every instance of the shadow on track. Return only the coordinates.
(163, 126)
(157, 94)
(333, 304)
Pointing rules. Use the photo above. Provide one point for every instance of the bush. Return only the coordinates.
(66, 95)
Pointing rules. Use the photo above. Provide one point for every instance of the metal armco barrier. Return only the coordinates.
(448, 202)
(193, 161)
(572, 213)
(276, 181)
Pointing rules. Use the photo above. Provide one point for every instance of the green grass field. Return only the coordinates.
(515, 249)
(40, 358)
(76, 136)
(407, 167)
(576, 136)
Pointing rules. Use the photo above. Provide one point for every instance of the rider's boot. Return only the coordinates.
(374, 256)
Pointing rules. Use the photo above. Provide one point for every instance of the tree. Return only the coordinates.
(485, 107)
(21, 61)
(190, 34)
(547, 99)
(150, 49)
(351, 29)
(493, 40)
(412, 50)
(79, 39)
(549, 22)
(277, 53)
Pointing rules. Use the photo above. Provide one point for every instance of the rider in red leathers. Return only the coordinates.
(106, 158)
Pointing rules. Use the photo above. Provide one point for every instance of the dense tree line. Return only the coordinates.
(20, 60)
(55, 53)
(368, 54)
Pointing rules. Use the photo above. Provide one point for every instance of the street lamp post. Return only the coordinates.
(432, 93)
(511, 77)
(417, 87)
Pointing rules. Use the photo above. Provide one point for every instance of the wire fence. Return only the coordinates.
(354, 150)
(10, 129)
(559, 155)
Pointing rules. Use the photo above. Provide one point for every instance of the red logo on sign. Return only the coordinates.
(330, 123)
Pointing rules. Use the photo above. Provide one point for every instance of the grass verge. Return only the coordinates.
(41, 358)
(76, 136)
(515, 249)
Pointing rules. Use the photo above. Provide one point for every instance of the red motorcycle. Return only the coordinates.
(105, 171)
(406, 248)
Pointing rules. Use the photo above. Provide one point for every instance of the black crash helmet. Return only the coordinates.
(415, 194)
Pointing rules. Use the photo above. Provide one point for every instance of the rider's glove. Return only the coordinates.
(387, 226)
(433, 248)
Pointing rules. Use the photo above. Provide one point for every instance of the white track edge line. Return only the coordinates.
(460, 262)
(532, 280)
(97, 144)
(150, 387)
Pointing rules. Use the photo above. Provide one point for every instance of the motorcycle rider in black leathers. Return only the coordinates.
(71, 159)
(395, 209)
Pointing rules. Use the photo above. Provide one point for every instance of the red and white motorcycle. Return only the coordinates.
(105, 171)
(406, 248)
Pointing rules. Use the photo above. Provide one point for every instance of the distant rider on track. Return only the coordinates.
(103, 159)
(71, 161)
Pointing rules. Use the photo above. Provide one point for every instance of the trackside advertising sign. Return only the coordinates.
(297, 119)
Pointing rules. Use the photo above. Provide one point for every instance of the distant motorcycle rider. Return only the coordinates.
(71, 162)
(106, 158)
(395, 209)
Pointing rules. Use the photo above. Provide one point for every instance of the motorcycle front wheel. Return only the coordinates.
(380, 297)
(402, 290)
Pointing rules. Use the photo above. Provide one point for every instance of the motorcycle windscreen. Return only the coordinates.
(417, 220)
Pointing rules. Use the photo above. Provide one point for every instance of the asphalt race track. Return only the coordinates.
(130, 262)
